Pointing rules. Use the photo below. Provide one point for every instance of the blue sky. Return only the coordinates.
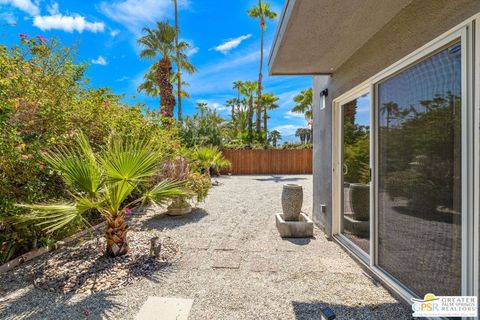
(225, 46)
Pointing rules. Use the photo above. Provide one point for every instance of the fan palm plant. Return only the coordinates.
(104, 182)
(209, 160)
(161, 42)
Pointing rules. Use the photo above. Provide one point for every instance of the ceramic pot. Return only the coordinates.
(179, 207)
(292, 200)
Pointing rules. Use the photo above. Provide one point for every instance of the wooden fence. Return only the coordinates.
(285, 161)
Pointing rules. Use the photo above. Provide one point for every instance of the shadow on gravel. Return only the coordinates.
(299, 241)
(163, 221)
(312, 310)
(278, 179)
(32, 305)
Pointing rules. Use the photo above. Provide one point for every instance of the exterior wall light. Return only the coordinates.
(323, 96)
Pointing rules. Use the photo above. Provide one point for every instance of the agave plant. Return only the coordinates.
(209, 160)
(104, 182)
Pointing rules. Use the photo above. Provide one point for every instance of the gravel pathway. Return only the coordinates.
(231, 262)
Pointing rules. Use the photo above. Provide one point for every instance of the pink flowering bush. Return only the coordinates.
(44, 100)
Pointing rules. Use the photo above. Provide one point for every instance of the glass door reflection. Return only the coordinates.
(356, 171)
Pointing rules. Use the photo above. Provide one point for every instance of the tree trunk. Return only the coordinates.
(258, 119)
(116, 236)
(265, 120)
(260, 75)
(167, 100)
(250, 116)
(179, 80)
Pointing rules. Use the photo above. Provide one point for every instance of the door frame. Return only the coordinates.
(337, 154)
(469, 34)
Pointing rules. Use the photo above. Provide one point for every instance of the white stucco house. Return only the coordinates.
(396, 133)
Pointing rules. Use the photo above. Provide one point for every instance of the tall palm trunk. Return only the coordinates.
(167, 100)
(250, 116)
(116, 236)
(265, 120)
(179, 80)
(258, 120)
(260, 75)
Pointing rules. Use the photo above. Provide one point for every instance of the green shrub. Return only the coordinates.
(44, 100)
(360, 201)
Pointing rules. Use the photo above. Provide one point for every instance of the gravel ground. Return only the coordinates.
(231, 262)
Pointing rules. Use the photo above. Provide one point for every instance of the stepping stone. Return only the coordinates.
(223, 260)
(156, 308)
(260, 264)
(198, 243)
(226, 245)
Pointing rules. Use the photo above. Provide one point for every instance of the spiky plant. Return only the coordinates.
(209, 160)
(103, 182)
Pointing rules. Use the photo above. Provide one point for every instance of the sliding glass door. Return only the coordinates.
(355, 222)
(420, 174)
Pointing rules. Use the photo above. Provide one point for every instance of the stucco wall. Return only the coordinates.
(414, 26)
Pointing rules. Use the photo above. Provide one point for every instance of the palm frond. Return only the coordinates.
(131, 161)
(78, 166)
(165, 191)
(52, 217)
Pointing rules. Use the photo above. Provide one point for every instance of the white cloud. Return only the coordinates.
(67, 23)
(135, 14)
(8, 17)
(291, 115)
(114, 32)
(100, 60)
(286, 129)
(26, 6)
(231, 44)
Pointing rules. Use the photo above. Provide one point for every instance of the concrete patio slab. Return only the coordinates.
(223, 260)
(157, 308)
(198, 243)
(226, 245)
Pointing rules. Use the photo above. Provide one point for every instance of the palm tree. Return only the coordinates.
(248, 90)
(179, 72)
(182, 63)
(390, 109)
(231, 103)
(261, 12)
(274, 137)
(304, 103)
(161, 42)
(104, 182)
(269, 103)
(237, 85)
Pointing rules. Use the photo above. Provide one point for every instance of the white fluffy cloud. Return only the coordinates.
(291, 115)
(231, 44)
(100, 60)
(135, 14)
(26, 6)
(67, 23)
